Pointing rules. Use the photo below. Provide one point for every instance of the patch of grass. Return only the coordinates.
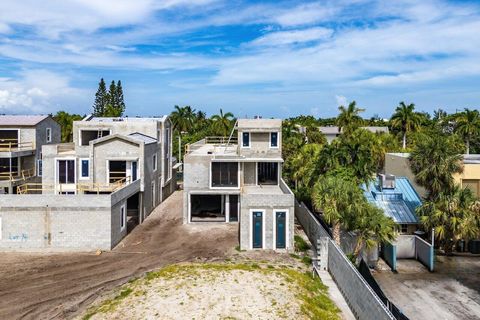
(307, 260)
(300, 244)
(238, 249)
(295, 256)
(108, 305)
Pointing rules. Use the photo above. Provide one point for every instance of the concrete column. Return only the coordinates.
(227, 208)
(322, 253)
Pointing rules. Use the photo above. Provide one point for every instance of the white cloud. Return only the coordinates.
(36, 91)
(306, 14)
(291, 37)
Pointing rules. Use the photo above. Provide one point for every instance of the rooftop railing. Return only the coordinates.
(214, 141)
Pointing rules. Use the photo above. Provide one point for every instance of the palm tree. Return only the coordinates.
(468, 125)
(65, 120)
(405, 119)
(349, 118)
(453, 214)
(372, 226)
(304, 165)
(339, 200)
(223, 123)
(182, 118)
(434, 161)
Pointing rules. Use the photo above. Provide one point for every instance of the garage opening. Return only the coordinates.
(133, 212)
(207, 208)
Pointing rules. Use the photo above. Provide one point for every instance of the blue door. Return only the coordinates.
(281, 229)
(257, 229)
(134, 171)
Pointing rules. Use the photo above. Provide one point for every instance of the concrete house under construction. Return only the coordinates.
(93, 190)
(21, 141)
(239, 180)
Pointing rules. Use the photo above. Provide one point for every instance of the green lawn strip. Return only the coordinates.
(315, 303)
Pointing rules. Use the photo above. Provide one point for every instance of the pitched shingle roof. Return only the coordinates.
(21, 120)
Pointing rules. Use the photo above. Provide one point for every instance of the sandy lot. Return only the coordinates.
(49, 286)
(451, 292)
(219, 291)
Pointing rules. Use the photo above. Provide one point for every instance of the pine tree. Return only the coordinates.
(101, 99)
(120, 101)
(112, 96)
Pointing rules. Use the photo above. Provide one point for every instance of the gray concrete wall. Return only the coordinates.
(363, 301)
(250, 173)
(268, 203)
(260, 145)
(33, 222)
(405, 246)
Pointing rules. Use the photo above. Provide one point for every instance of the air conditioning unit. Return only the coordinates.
(386, 181)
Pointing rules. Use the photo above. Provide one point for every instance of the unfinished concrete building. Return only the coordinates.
(95, 189)
(21, 141)
(239, 180)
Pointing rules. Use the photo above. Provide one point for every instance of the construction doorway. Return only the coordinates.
(207, 208)
(117, 171)
(133, 212)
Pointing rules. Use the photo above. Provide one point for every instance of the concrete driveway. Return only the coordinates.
(46, 286)
(451, 292)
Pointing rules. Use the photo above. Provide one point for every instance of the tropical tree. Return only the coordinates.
(65, 120)
(406, 120)
(339, 200)
(372, 227)
(434, 161)
(468, 125)
(349, 117)
(454, 214)
(183, 118)
(223, 123)
(305, 165)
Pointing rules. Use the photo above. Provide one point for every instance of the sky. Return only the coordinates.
(268, 58)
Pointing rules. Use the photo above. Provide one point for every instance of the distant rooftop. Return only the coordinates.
(259, 124)
(21, 120)
(398, 203)
(335, 129)
(467, 158)
(123, 119)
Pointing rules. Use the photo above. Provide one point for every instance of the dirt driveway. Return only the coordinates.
(46, 286)
(451, 292)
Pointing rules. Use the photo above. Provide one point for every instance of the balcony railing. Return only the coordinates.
(16, 176)
(9, 145)
(80, 188)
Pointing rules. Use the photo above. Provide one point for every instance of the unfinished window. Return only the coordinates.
(66, 171)
(404, 228)
(245, 139)
(207, 208)
(117, 171)
(224, 175)
(88, 135)
(273, 139)
(49, 135)
(123, 217)
(267, 173)
(39, 167)
(8, 139)
(8, 168)
(154, 165)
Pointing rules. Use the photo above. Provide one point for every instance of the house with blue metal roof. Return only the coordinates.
(398, 200)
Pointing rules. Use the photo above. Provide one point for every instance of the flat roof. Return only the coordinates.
(142, 137)
(123, 119)
(259, 123)
(21, 120)
(335, 129)
(467, 158)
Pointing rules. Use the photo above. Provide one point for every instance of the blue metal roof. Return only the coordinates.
(399, 203)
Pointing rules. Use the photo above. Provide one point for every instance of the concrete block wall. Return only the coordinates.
(269, 203)
(33, 222)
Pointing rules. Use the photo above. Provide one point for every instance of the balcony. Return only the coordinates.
(13, 176)
(78, 188)
(213, 146)
(12, 145)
